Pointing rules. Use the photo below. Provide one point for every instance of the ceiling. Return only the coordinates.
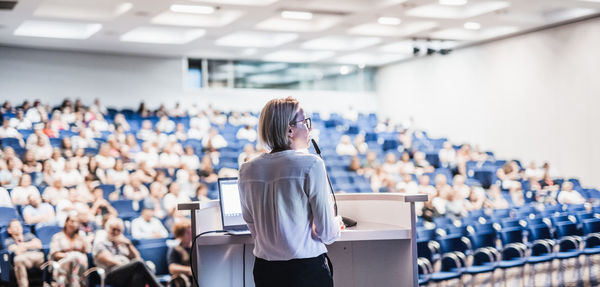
(362, 32)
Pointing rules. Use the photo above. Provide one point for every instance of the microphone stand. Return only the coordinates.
(348, 222)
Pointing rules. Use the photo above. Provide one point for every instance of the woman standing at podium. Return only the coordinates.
(285, 201)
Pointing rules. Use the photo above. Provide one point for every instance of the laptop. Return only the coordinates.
(231, 207)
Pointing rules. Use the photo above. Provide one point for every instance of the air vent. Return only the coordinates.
(7, 4)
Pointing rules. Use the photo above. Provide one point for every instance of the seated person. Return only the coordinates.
(122, 261)
(69, 247)
(20, 194)
(148, 226)
(496, 200)
(5, 200)
(570, 196)
(27, 249)
(345, 146)
(178, 257)
(55, 192)
(38, 212)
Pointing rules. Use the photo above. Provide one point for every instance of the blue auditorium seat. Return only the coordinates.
(125, 209)
(45, 234)
(8, 214)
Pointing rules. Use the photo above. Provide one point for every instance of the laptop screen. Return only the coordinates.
(231, 207)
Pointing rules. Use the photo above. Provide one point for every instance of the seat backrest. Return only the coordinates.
(566, 229)
(583, 215)
(559, 218)
(591, 226)
(483, 239)
(453, 243)
(7, 214)
(123, 205)
(426, 234)
(157, 253)
(511, 235)
(45, 233)
(511, 223)
(540, 231)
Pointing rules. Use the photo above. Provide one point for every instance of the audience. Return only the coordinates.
(160, 162)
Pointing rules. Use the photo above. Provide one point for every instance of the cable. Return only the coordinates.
(244, 265)
(194, 254)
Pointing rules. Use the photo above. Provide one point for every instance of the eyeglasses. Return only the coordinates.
(116, 229)
(306, 121)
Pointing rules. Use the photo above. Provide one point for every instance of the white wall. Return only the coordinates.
(531, 97)
(124, 81)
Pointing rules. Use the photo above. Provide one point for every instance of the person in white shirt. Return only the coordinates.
(407, 185)
(71, 176)
(5, 200)
(147, 155)
(147, 226)
(146, 133)
(249, 119)
(214, 141)
(6, 131)
(189, 159)
(52, 194)
(20, 194)
(246, 133)
(174, 197)
(285, 202)
(20, 122)
(570, 196)
(42, 150)
(345, 147)
(459, 185)
(104, 159)
(165, 125)
(168, 158)
(117, 175)
(199, 126)
(135, 190)
(447, 155)
(83, 140)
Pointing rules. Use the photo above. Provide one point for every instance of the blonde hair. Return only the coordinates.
(274, 120)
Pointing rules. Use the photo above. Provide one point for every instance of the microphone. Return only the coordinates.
(348, 222)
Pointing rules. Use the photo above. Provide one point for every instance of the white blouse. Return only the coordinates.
(284, 195)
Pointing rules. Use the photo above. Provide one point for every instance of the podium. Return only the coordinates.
(381, 250)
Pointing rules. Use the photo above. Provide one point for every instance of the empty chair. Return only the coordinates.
(45, 234)
(559, 218)
(484, 228)
(542, 245)
(568, 240)
(157, 254)
(511, 223)
(457, 230)
(426, 234)
(591, 232)
(513, 250)
(442, 222)
(125, 209)
(485, 255)
(8, 214)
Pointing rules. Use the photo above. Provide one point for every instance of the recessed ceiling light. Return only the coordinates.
(55, 29)
(296, 15)
(297, 56)
(340, 43)
(453, 2)
(254, 39)
(472, 26)
(389, 21)
(162, 35)
(193, 9)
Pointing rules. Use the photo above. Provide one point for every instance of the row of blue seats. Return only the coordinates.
(511, 243)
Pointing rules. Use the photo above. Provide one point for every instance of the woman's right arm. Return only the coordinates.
(326, 228)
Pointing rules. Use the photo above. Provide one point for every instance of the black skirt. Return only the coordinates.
(305, 272)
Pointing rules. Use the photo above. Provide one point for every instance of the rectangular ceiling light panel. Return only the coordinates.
(162, 35)
(55, 29)
(297, 56)
(340, 43)
(457, 12)
(318, 23)
(255, 39)
(104, 10)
